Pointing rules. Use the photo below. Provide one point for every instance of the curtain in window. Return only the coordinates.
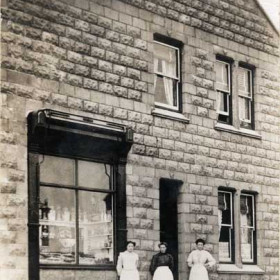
(168, 83)
(165, 67)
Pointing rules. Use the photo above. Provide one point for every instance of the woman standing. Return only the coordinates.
(128, 263)
(199, 260)
(162, 264)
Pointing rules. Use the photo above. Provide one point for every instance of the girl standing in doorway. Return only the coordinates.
(199, 260)
(128, 263)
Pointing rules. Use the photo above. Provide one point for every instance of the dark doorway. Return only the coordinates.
(169, 218)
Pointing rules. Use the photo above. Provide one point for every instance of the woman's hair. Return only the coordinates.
(163, 243)
(200, 241)
(130, 242)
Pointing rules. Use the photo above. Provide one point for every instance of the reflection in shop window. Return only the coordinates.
(225, 226)
(76, 209)
(247, 213)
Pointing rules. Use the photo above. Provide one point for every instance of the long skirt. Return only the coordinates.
(163, 273)
(129, 274)
(199, 272)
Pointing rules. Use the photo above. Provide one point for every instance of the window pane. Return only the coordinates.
(244, 85)
(225, 207)
(225, 225)
(222, 76)
(166, 91)
(223, 100)
(246, 209)
(57, 231)
(225, 244)
(93, 175)
(247, 244)
(245, 108)
(57, 170)
(96, 228)
(165, 60)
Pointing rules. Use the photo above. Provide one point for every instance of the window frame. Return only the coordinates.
(248, 124)
(221, 115)
(254, 233)
(232, 227)
(236, 203)
(177, 45)
(228, 92)
(75, 187)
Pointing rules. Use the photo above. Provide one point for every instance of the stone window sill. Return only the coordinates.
(241, 131)
(169, 115)
(233, 269)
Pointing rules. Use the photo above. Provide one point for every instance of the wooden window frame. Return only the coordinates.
(232, 226)
(249, 124)
(222, 117)
(177, 45)
(254, 233)
(236, 256)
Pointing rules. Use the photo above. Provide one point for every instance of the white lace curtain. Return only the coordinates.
(165, 63)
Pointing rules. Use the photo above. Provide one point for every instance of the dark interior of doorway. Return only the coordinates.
(169, 218)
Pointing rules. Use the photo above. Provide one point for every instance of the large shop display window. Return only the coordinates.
(77, 198)
(76, 210)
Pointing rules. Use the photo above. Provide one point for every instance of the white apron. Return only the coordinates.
(163, 273)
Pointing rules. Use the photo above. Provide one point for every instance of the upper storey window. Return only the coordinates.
(223, 85)
(245, 94)
(235, 98)
(167, 76)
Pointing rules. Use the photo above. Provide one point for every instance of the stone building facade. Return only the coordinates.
(87, 67)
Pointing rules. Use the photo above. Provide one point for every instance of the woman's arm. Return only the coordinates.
(119, 264)
(153, 265)
(137, 261)
(171, 262)
(210, 260)
(190, 260)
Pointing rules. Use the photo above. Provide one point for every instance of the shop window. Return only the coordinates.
(167, 70)
(76, 191)
(226, 226)
(248, 229)
(76, 210)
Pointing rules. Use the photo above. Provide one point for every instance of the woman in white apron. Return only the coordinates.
(199, 260)
(128, 263)
(162, 264)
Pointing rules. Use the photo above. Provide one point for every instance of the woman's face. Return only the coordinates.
(200, 246)
(162, 248)
(130, 247)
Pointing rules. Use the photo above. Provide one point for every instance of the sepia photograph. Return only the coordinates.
(140, 140)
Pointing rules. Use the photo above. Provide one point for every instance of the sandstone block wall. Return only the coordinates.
(94, 58)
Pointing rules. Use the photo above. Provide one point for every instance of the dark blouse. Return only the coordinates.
(161, 259)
